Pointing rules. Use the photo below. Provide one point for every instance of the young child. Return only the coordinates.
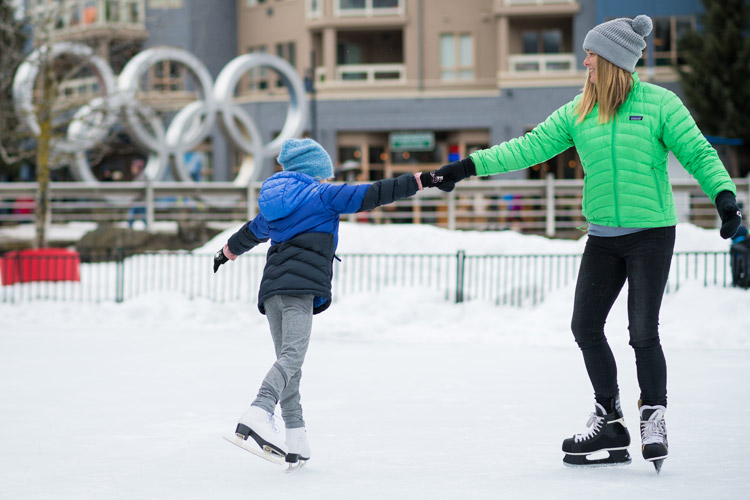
(300, 214)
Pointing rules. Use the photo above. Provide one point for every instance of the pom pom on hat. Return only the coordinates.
(305, 156)
(643, 25)
(620, 41)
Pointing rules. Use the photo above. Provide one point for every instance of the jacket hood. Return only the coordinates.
(284, 192)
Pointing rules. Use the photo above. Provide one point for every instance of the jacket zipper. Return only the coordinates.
(614, 174)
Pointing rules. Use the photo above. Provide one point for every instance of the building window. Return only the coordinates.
(456, 57)
(112, 11)
(288, 52)
(314, 9)
(257, 78)
(666, 35)
(253, 3)
(133, 11)
(90, 12)
(167, 76)
(542, 42)
(75, 15)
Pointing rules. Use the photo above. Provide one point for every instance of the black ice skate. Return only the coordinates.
(605, 442)
(654, 435)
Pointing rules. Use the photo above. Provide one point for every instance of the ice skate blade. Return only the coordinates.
(657, 464)
(293, 466)
(601, 458)
(253, 448)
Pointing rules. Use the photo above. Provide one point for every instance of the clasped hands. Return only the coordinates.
(446, 177)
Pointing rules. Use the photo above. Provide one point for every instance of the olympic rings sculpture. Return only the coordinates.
(190, 126)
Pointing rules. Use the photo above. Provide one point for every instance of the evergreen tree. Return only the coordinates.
(716, 77)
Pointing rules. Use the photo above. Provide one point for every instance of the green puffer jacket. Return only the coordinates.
(624, 160)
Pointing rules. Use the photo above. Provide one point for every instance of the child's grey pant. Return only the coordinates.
(290, 319)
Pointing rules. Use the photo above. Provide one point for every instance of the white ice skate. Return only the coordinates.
(298, 447)
(267, 440)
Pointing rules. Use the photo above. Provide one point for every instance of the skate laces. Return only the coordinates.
(654, 430)
(272, 423)
(594, 425)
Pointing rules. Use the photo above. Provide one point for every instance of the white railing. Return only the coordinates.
(549, 206)
(78, 87)
(542, 63)
(369, 9)
(366, 74)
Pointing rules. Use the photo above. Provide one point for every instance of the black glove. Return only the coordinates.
(431, 179)
(446, 177)
(731, 217)
(219, 259)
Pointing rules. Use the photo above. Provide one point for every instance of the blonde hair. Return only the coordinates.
(612, 87)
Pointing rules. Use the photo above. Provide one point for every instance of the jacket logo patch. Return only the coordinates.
(636, 117)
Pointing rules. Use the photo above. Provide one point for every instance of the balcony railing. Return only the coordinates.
(536, 2)
(367, 74)
(78, 88)
(368, 8)
(71, 15)
(541, 63)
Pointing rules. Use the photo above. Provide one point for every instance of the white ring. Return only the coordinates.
(128, 81)
(190, 126)
(90, 122)
(226, 83)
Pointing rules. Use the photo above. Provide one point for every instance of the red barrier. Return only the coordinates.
(41, 264)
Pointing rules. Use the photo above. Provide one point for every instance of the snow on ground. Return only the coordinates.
(407, 395)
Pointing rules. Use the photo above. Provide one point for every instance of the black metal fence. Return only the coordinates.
(505, 280)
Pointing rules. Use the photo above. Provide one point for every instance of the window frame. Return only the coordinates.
(313, 12)
(673, 54)
(458, 68)
(257, 79)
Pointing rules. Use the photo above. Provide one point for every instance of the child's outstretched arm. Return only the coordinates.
(247, 237)
(387, 191)
(349, 199)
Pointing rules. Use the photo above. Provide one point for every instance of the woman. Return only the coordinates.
(623, 129)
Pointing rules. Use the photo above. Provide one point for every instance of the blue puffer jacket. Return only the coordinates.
(301, 218)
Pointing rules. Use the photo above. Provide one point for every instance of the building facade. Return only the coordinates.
(404, 85)
(394, 85)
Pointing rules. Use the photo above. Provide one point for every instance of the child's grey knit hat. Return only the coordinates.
(620, 41)
(306, 156)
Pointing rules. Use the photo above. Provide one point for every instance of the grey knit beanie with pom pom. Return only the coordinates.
(620, 41)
